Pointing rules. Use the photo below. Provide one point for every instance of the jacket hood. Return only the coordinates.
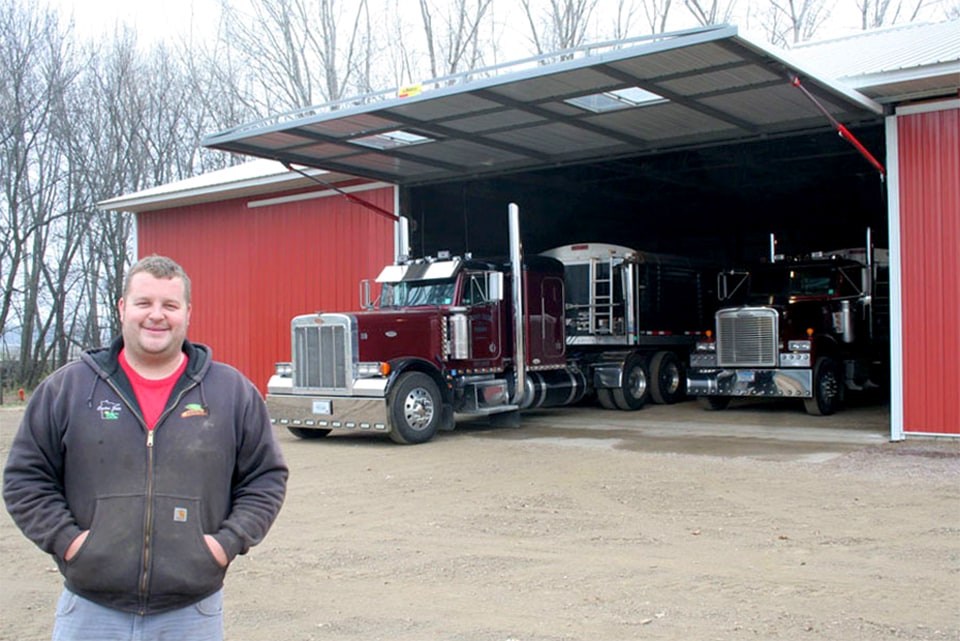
(106, 363)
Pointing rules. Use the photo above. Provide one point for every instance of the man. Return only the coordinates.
(144, 469)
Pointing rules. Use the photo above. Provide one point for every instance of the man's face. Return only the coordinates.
(154, 316)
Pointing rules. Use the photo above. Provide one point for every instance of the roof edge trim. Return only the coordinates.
(927, 107)
(320, 193)
(833, 86)
(155, 199)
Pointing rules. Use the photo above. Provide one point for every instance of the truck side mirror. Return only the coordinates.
(365, 302)
(495, 286)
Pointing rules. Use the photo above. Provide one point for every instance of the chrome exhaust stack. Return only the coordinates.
(519, 334)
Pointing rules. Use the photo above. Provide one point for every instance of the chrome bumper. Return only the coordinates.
(774, 383)
(331, 412)
(326, 412)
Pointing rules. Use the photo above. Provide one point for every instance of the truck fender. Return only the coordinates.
(824, 345)
(403, 365)
(607, 370)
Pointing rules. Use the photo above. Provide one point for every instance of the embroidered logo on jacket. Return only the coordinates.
(193, 409)
(180, 514)
(109, 411)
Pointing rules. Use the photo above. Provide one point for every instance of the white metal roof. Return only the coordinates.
(686, 89)
(892, 64)
(251, 178)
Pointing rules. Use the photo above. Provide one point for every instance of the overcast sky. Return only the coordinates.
(153, 19)
(171, 19)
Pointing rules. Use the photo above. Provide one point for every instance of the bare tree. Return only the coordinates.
(558, 24)
(623, 21)
(81, 126)
(710, 12)
(879, 13)
(35, 68)
(657, 12)
(453, 45)
(304, 51)
(788, 22)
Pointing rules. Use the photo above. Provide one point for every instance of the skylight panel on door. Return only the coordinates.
(614, 100)
(392, 140)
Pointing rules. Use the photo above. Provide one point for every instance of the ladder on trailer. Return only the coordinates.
(601, 296)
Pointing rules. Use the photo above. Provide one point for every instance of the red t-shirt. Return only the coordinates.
(152, 394)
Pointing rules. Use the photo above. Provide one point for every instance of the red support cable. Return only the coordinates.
(841, 129)
(354, 199)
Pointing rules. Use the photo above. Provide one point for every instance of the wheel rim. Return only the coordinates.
(418, 408)
(670, 379)
(636, 385)
(829, 387)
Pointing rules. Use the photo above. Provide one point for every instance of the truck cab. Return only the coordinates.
(808, 328)
(437, 339)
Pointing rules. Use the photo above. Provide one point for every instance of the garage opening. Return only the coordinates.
(813, 191)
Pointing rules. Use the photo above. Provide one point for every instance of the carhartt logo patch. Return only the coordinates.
(109, 411)
(180, 514)
(193, 409)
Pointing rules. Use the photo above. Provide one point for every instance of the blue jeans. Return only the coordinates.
(79, 619)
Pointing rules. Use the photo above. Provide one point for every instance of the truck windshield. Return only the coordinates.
(789, 282)
(417, 293)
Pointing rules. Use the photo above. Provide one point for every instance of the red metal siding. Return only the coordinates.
(929, 159)
(253, 269)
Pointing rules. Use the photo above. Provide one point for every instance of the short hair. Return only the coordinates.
(158, 267)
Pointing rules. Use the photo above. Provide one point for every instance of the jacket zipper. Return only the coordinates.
(148, 521)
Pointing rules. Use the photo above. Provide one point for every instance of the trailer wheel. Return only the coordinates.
(415, 409)
(632, 393)
(827, 389)
(668, 383)
(605, 397)
(307, 434)
(713, 403)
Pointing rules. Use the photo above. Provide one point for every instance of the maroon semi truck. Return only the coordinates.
(809, 328)
(457, 335)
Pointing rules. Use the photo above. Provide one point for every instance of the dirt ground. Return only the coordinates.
(583, 524)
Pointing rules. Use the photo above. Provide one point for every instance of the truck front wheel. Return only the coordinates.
(632, 393)
(415, 409)
(827, 389)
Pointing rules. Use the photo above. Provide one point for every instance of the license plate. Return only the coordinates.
(323, 407)
(746, 377)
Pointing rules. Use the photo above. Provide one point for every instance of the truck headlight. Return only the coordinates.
(284, 370)
(369, 370)
(706, 347)
(798, 346)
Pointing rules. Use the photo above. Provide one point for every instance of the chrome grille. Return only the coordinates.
(322, 352)
(747, 337)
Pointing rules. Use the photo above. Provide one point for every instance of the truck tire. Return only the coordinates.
(667, 379)
(827, 388)
(605, 397)
(634, 388)
(713, 403)
(415, 409)
(307, 433)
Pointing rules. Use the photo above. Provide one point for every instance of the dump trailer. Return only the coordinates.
(628, 304)
(811, 327)
(455, 335)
